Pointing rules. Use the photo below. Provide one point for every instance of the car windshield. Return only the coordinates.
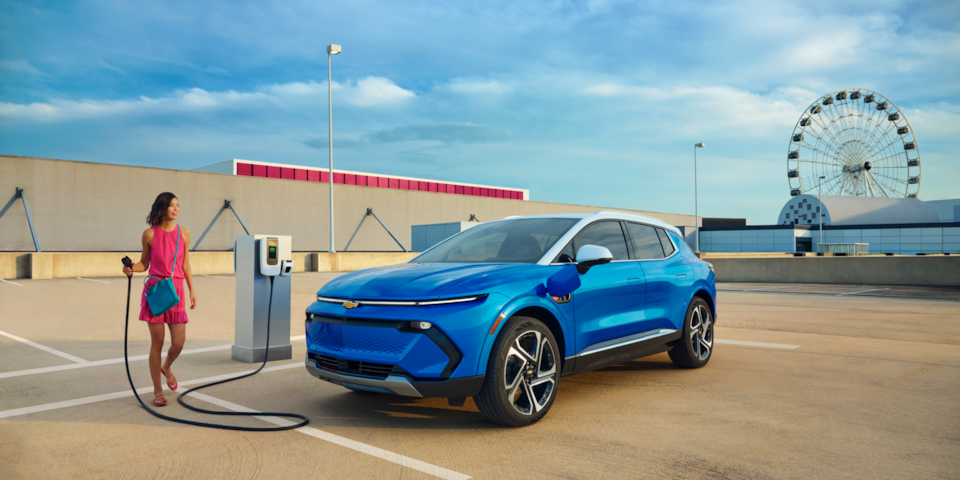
(514, 241)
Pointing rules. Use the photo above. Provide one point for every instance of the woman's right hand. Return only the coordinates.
(127, 271)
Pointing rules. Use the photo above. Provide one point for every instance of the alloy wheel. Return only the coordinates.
(701, 332)
(530, 372)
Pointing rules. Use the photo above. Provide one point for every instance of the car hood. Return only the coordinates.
(417, 281)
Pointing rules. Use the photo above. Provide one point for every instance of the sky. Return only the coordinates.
(593, 102)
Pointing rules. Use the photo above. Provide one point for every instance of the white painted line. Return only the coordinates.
(313, 432)
(757, 344)
(126, 393)
(92, 280)
(864, 291)
(45, 348)
(344, 442)
(14, 283)
(110, 361)
(772, 288)
(214, 276)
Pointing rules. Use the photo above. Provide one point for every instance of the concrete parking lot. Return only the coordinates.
(807, 381)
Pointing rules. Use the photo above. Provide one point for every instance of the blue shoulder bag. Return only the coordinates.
(162, 296)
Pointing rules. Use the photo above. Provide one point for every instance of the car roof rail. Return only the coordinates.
(647, 217)
(607, 210)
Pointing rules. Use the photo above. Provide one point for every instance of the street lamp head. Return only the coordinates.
(333, 49)
(701, 145)
(822, 177)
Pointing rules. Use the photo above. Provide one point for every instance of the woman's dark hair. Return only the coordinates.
(159, 210)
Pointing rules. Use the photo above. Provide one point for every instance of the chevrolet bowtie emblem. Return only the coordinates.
(349, 304)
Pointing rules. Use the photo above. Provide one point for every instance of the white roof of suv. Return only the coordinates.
(607, 214)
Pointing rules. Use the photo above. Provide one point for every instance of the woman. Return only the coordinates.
(160, 241)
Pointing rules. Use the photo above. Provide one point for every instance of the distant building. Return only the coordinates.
(904, 226)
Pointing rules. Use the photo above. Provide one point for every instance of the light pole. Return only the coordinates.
(820, 210)
(332, 49)
(696, 213)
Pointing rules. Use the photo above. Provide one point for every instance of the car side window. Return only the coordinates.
(646, 242)
(604, 234)
(665, 242)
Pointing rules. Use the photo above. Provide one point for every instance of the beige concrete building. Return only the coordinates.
(96, 207)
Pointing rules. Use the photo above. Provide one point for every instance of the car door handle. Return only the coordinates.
(681, 275)
(633, 280)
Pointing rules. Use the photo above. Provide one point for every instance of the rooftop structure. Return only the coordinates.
(251, 168)
(849, 210)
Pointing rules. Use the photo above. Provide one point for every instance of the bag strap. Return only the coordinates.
(175, 252)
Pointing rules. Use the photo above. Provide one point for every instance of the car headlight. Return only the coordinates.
(711, 268)
(400, 303)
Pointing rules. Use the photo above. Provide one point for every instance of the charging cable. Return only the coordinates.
(129, 263)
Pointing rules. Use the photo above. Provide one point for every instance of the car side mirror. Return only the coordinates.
(590, 255)
(564, 282)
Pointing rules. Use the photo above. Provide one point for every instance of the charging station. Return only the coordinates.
(257, 258)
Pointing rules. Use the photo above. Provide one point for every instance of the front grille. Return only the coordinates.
(351, 367)
(358, 322)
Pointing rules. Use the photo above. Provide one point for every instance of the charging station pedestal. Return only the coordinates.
(253, 298)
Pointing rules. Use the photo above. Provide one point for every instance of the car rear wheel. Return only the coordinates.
(696, 345)
(522, 374)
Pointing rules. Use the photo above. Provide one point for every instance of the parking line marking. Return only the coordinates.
(126, 393)
(313, 432)
(757, 344)
(215, 276)
(15, 283)
(110, 361)
(45, 348)
(864, 291)
(92, 280)
(344, 442)
(772, 288)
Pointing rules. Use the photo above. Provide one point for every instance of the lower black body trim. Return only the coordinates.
(451, 388)
(626, 353)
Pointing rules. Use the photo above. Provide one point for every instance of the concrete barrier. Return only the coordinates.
(107, 264)
(896, 270)
(873, 270)
(350, 261)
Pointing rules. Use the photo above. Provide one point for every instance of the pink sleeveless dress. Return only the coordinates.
(161, 259)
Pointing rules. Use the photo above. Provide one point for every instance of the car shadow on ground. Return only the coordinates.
(367, 409)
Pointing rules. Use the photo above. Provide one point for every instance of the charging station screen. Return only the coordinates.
(273, 253)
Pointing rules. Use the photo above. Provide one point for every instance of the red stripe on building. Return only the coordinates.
(245, 169)
(273, 172)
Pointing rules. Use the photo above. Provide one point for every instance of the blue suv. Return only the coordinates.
(501, 311)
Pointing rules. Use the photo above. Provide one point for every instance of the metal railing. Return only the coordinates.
(844, 249)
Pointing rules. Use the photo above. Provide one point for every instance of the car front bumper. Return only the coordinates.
(399, 384)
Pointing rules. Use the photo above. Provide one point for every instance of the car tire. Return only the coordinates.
(695, 346)
(512, 381)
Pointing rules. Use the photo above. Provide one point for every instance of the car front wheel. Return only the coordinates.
(522, 374)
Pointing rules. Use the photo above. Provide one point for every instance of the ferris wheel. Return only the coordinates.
(854, 142)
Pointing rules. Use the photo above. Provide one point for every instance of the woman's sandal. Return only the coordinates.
(159, 400)
(175, 384)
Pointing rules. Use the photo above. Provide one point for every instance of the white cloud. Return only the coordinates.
(377, 91)
(696, 110)
(19, 66)
(476, 87)
(367, 92)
